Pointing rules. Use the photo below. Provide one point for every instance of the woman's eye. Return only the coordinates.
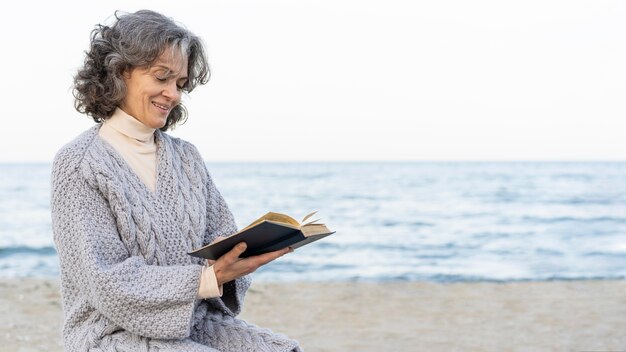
(160, 79)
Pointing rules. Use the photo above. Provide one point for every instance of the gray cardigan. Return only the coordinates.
(127, 283)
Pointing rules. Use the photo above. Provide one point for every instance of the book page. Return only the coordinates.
(308, 216)
(275, 217)
(315, 229)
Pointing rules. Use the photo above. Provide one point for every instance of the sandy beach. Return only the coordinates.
(413, 316)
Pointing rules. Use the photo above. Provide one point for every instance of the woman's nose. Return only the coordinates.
(172, 92)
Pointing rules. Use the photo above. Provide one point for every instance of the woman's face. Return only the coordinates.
(152, 92)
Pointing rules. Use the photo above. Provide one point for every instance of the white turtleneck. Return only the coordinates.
(134, 141)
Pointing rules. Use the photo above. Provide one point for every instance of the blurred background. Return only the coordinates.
(445, 141)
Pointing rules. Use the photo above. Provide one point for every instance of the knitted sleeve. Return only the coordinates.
(151, 301)
(220, 222)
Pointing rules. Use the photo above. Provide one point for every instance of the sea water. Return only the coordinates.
(435, 221)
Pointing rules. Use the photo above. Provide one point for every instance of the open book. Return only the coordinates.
(271, 232)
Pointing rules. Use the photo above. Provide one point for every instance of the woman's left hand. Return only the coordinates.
(230, 267)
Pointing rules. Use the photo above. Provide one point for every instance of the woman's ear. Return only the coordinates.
(126, 73)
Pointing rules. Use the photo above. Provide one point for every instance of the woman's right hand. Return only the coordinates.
(230, 267)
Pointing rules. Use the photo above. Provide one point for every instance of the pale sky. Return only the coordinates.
(350, 80)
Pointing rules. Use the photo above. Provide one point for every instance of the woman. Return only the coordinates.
(129, 201)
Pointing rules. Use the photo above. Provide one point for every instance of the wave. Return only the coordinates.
(25, 250)
(560, 219)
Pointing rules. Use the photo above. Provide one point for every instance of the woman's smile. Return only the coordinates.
(152, 92)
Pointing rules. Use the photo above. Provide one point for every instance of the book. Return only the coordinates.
(270, 232)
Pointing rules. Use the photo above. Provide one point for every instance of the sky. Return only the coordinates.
(343, 80)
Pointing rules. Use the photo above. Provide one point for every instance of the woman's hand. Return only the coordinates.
(230, 267)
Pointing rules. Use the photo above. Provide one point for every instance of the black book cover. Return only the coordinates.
(262, 238)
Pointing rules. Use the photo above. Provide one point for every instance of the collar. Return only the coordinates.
(130, 126)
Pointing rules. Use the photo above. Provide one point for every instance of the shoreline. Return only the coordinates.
(366, 316)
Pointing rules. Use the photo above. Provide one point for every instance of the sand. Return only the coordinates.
(532, 316)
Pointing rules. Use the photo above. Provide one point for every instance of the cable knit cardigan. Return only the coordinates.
(127, 283)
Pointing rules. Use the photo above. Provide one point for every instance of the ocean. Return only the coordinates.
(414, 221)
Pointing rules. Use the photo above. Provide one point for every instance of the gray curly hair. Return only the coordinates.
(134, 40)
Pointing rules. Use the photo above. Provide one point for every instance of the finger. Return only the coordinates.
(234, 253)
(268, 257)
